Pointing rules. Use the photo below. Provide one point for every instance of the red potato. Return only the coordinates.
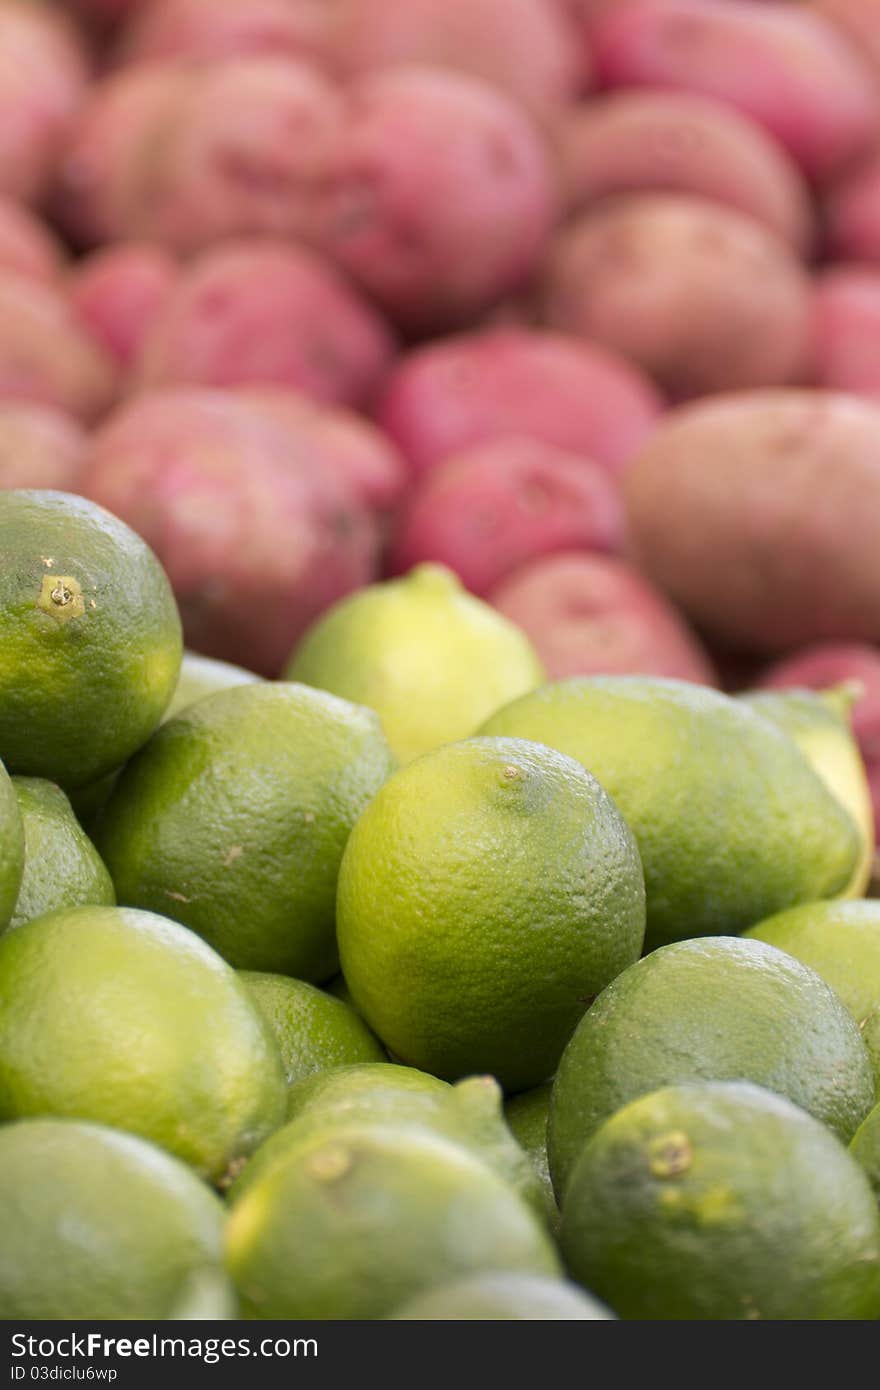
(488, 510)
(119, 291)
(441, 198)
(43, 76)
(107, 11)
(697, 295)
(27, 245)
(820, 668)
(675, 142)
(187, 154)
(256, 541)
(246, 151)
(528, 48)
(858, 21)
(852, 214)
(46, 356)
(581, 17)
(486, 385)
(759, 514)
(101, 186)
(39, 448)
(592, 615)
(847, 330)
(338, 441)
(784, 66)
(162, 29)
(264, 312)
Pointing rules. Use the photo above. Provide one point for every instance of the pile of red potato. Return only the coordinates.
(580, 297)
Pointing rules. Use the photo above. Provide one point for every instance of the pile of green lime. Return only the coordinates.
(407, 988)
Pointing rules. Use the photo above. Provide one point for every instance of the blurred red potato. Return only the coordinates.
(858, 21)
(528, 48)
(785, 67)
(39, 448)
(256, 540)
(43, 77)
(27, 245)
(676, 142)
(266, 312)
(46, 356)
(99, 187)
(525, 47)
(107, 11)
(489, 384)
(246, 150)
(820, 668)
(201, 152)
(204, 29)
(699, 296)
(489, 509)
(441, 198)
(592, 614)
(119, 291)
(337, 441)
(846, 349)
(758, 513)
(852, 214)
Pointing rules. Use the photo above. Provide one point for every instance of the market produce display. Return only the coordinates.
(439, 660)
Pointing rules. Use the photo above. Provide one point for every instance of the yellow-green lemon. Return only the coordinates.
(431, 659)
(820, 725)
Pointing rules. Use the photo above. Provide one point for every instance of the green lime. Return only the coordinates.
(90, 635)
(234, 817)
(487, 893)
(841, 942)
(11, 849)
(432, 660)
(129, 1020)
(526, 1116)
(355, 1219)
(821, 727)
(203, 675)
(98, 1225)
(722, 1009)
(722, 1201)
(731, 820)
(503, 1298)
(314, 1031)
(865, 1147)
(62, 868)
(469, 1113)
(199, 676)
